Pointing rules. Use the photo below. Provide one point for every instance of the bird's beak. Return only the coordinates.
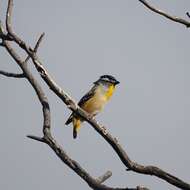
(117, 82)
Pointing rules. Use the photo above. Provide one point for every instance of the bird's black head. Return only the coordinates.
(107, 79)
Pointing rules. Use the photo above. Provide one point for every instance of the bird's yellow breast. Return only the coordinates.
(110, 91)
(94, 104)
(97, 102)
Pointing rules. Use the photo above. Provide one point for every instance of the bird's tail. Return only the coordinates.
(76, 126)
(69, 120)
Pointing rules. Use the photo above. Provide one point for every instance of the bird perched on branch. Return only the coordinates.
(94, 101)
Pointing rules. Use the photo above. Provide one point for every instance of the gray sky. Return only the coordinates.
(149, 113)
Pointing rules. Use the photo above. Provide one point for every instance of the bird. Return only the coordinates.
(94, 100)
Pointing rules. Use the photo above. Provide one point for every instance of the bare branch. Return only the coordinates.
(131, 165)
(11, 34)
(3, 35)
(41, 96)
(160, 12)
(38, 42)
(14, 75)
(142, 188)
(9, 16)
(104, 177)
(48, 139)
(1, 29)
(36, 46)
(41, 139)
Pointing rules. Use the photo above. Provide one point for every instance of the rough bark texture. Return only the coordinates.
(47, 138)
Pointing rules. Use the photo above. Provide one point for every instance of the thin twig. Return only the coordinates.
(11, 34)
(38, 42)
(160, 12)
(36, 46)
(148, 170)
(3, 35)
(133, 166)
(41, 139)
(1, 29)
(48, 139)
(9, 16)
(14, 75)
(104, 177)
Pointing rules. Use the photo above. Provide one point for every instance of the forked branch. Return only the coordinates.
(48, 139)
(166, 15)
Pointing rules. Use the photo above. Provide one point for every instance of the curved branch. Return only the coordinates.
(49, 140)
(160, 12)
(14, 75)
(131, 165)
(3, 36)
(104, 177)
(38, 42)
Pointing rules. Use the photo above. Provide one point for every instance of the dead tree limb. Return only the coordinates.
(48, 139)
(166, 15)
(131, 165)
(13, 75)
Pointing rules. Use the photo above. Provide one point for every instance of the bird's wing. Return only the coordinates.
(85, 98)
(69, 120)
